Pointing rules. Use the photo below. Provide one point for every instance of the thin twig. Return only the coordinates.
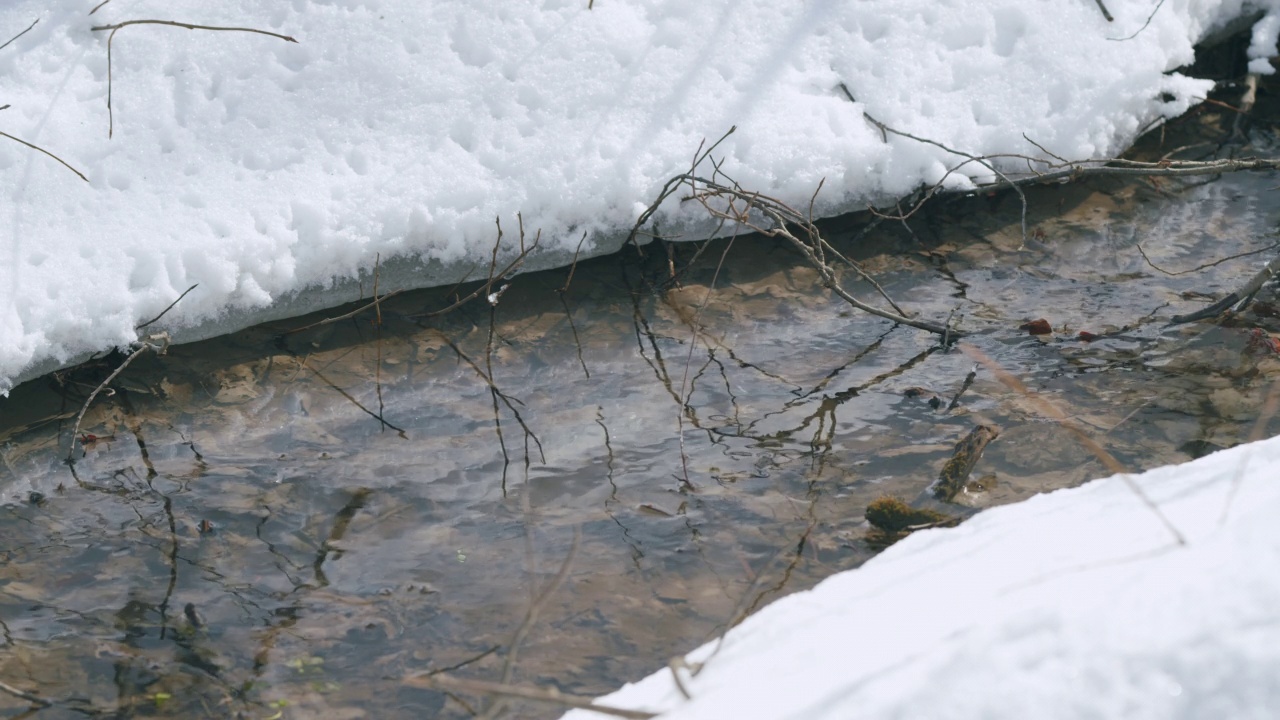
(190, 26)
(548, 695)
(140, 347)
(1105, 13)
(1144, 25)
(98, 7)
(574, 265)
(171, 23)
(814, 249)
(531, 616)
(344, 316)
(24, 32)
(1205, 266)
(46, 152)
(459, 665)
(34, 699)
(975, 158)
(175, 302)
(1241, 296)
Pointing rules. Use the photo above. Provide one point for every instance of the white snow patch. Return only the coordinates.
(274, 173)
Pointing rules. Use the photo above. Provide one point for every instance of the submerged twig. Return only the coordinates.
(22, 694)
(531, 617)
(548, 695)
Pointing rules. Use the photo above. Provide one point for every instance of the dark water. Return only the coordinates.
(288, 525)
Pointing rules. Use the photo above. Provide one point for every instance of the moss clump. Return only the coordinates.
(893, 515)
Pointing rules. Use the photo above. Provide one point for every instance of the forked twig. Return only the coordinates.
(162, 313)
(114, 28)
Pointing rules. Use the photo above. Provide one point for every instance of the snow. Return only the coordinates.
(276, 174)
(1075, 604)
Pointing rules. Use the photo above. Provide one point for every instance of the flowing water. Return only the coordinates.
(605, 469)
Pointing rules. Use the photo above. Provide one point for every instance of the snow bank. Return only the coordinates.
(274, 173)
(1076, 604)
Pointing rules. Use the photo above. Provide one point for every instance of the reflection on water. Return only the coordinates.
(292, 523)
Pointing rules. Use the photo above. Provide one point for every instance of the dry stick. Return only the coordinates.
(688, 362)
(349, 397)
(162, 313)
(141, 347)
(1050, 410)
(830, 281)
(98, 7)
(46, 152)
(459, 665)
(24, 32)
(549, 695)
(171, 23)
(1105, 13)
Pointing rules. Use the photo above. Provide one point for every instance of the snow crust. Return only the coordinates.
(1075, 604)
(275, 174)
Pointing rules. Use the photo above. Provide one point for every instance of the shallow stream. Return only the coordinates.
(606, 468)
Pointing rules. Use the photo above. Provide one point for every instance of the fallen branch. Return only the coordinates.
(171, 23)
